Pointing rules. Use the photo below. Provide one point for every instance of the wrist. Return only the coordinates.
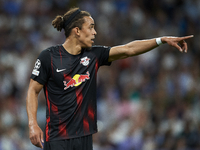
(32, 123)
(159, 41)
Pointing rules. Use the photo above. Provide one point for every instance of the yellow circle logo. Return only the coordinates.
(76, 77)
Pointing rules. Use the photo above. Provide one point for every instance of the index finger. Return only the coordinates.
(186, 37)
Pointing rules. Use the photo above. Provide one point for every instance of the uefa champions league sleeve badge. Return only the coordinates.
(37, 66)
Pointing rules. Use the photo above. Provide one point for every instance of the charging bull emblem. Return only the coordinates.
(77, 80)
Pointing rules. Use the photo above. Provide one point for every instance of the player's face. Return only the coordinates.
(87, 33)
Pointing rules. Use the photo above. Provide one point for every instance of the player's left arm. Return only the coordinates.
(142, 46)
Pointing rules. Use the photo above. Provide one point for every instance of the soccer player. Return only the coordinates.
(68, 73)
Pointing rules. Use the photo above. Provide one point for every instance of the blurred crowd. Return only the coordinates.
(147, 102)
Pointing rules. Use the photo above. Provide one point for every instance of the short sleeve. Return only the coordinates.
(41, 70)
(102, 53)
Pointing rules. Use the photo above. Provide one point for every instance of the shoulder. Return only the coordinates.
(45, 54)
(50, 50)
(53, 49)
(100, 47)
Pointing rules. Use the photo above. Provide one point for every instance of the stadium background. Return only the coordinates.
(148, 102)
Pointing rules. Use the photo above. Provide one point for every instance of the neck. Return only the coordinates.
(72, 47)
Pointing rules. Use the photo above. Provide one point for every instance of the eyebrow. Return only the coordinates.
(92, 24)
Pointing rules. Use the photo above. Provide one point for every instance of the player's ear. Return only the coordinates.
(76, 30)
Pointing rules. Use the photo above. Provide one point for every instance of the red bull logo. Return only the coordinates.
(76, 80)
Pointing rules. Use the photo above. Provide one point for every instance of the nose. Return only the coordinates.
(95, 33)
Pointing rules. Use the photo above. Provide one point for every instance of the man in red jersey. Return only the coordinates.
(67, 73)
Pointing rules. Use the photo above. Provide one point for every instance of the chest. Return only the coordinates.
(74, 70)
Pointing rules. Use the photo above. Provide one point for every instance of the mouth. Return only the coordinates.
(92, 40)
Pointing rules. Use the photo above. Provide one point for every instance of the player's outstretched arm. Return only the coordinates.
(35, 133)
(142, 46)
